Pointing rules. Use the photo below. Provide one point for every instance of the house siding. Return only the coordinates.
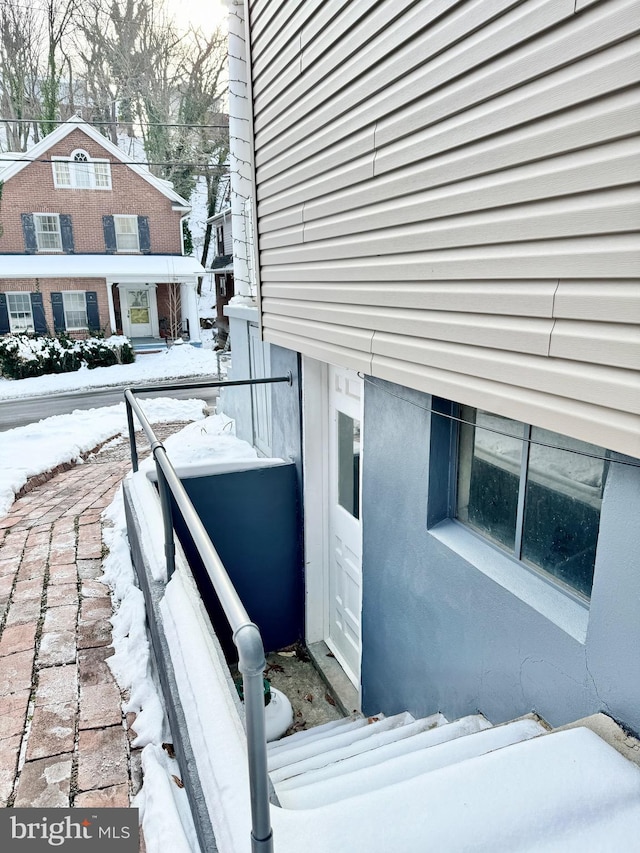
(445, 200)
(32, 190)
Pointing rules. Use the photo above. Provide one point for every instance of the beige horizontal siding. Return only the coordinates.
(526, 298)
(600, 301)
(447, 198)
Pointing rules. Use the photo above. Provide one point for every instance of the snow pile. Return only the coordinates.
(174, 363)
(131, 663)
(33, 449)
(209, 443)
(164, 810)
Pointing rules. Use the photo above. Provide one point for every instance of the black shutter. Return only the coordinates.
(4, 315)
(93, 317)
(67, 233)
(29, 232)
(143, 235)
(58, 313)
(109, 234)
(37, 309)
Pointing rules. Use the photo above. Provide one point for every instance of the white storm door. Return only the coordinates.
(345, 529)
(137, 311)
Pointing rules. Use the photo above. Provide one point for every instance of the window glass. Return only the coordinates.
(562, 507)
(126, 233)
(81, 172)
(47, 231)
(349, 464)
(62, 173)
(75, 310)
(540, 503)
(489, 474)
(19, 308)
(102, 174)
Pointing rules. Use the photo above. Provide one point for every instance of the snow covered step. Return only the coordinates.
(319, 732)
(421, 739)
(342, 784)
(304, 751)
(368, 745)
(567, 792)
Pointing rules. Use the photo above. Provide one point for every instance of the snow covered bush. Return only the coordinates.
(23, 356)
(104, 352)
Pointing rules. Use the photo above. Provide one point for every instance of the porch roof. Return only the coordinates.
(114, 268)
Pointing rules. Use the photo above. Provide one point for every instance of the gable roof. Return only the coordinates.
(24, 158)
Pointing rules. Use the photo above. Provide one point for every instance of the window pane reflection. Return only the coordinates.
(562, 508)
(349, 464)
(489, 475)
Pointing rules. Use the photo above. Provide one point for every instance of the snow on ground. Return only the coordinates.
(164, 811)
(33, 449)
(177, 362)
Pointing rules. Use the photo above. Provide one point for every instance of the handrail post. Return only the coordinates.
(251, 664)
(167, 520)
(132, 435)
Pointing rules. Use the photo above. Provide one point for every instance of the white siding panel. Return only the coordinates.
(523, 298)
(613, 211)
(597, 424)
(595, 77)
(606, 301)
(597, 343)
(517, 334)
(385, 77)
(283, 49)
(572, 258)
(554, 52)
(389, 50)
(583, 126)
(446, 200)
(591, 383)
(327, 352)
(578, 172)
(317, 169)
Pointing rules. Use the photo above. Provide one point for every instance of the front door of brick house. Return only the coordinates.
(139, 310)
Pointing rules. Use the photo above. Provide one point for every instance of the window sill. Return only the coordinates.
(567, 613)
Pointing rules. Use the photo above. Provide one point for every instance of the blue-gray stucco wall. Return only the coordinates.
(438, 634)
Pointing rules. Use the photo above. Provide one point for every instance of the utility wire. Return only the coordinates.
(497, 431)
(119, 162)
(117, 121)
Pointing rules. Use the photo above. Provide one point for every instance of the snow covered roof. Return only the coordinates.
(23, 158)
(161, 268)
(221, 216)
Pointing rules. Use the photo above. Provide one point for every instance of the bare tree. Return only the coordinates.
(59, 22)
(21, 42)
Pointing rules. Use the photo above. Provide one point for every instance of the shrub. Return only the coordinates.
(23, 356)
(104, 352)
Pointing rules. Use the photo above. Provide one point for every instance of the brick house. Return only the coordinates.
(91, 241)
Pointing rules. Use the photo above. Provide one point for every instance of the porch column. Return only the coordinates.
(189, 302)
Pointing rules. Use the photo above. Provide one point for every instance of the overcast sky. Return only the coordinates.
(206, 14)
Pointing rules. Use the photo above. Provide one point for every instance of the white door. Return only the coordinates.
(345, 530)
(138, 306)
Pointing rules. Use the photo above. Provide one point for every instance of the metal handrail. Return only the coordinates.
(246, 635)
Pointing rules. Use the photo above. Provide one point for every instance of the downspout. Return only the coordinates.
(241, 159)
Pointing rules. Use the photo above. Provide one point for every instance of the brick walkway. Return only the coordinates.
(63, 739)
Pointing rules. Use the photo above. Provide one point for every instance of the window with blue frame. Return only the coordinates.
(533, 493)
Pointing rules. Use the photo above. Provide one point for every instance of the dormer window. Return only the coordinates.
(80, 171)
